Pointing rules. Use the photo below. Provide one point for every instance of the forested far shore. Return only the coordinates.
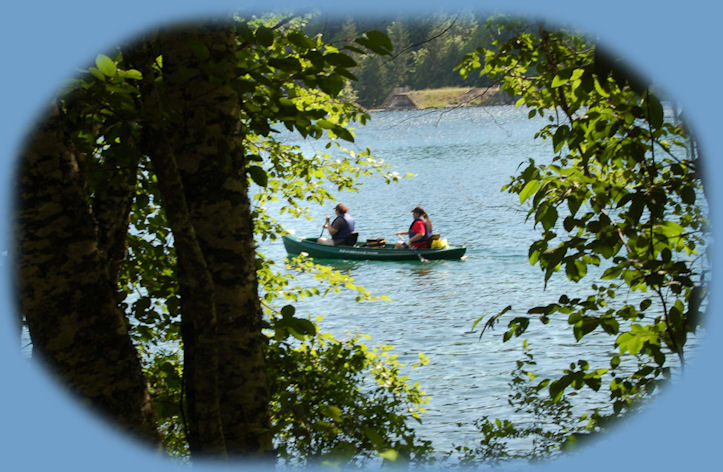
(425, 53)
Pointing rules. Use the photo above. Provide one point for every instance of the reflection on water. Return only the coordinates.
(422, 272)
(343, 266)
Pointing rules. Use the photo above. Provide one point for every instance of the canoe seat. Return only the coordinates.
(351, 239)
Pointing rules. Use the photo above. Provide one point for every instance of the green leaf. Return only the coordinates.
(575, 270)
(561, 78)
(285, 63)
(687, 195)
(600, 90)
(516, 327)
(142, 200)
(258, 175)
(343, 133)
(548, 218)
(558, 139)
(301, 326)
(557, 387)
(655, 111)
(569, 223)
(264, 36)
(340, 60)
(331, 84)
(374, 437)
(333, 412)
(131, 74)
(377, 42)
(529, 189)
(610, 325)
(389, 454)
(573, 204)
(106, 65)
(326, 124)
(633, 341)
(300, 40)
(585, 326)
(535, 251)
(671, 229)
(381, 40)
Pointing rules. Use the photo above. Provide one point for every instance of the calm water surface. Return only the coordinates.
(460, 159)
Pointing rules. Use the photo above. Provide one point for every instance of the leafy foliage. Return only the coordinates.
(546, 425)
(338, 402)
(622, 203)
(290, 79)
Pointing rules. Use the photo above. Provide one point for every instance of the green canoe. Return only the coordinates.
(387, 252)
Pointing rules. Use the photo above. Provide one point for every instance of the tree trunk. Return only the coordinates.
(68, 294)
(204, 431)
(207, 141)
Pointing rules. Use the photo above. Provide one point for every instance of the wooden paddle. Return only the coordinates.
(322, 227)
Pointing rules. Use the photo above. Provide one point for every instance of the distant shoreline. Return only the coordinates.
(448, 97)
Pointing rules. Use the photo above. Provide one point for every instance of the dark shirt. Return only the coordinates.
(344, 225)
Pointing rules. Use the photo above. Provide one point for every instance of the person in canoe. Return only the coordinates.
(341, 229)
(420, 231)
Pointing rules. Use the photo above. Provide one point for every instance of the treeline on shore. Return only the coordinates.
(425, 51)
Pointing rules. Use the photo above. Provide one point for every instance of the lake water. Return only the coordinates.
(460, 159)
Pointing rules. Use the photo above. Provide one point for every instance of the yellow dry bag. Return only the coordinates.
(439, 244)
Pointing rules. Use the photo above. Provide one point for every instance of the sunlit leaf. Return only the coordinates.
(106, 65)
(529, 189)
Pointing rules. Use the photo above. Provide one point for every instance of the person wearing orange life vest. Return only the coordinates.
(420, 231)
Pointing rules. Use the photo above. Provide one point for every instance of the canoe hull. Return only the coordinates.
(309, 246)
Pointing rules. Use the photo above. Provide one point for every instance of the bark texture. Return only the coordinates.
(67, 287)
(203, 155)
(72, 237)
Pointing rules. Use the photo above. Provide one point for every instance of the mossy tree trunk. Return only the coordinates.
(200, 162)
(68, 249)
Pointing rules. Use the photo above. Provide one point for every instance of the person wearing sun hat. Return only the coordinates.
(340, 229)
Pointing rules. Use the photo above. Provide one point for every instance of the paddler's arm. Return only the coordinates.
(416, 238)
(332, 230)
